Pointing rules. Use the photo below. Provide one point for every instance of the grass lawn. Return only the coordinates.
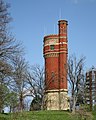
(94, 115)
(44, 115)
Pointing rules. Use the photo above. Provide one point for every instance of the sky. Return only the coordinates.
(34, 19)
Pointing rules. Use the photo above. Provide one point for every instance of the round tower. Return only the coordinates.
(55, 54)
(51, 50)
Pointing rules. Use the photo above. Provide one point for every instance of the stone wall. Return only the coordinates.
(56, 100)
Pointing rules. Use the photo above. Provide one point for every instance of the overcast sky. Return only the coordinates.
(32, 19)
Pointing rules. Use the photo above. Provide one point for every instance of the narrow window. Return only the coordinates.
(52, 76)
(62, 80)
(52, 47)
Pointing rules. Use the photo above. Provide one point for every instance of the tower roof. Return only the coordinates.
(91, 69)
(63, 21)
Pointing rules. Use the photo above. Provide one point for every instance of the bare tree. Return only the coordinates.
(8, 48)
(37, 85)
(35, 82)
(75, 78)
(18, 85)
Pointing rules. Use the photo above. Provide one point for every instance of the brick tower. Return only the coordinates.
(55, 54)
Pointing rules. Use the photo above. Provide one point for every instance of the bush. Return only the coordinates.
(94, 108)
(86, 107)
(3, 118)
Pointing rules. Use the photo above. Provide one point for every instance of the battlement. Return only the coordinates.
(51, 36)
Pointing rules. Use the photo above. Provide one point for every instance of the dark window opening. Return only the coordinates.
(62, 80)
(52, 80)
(52, 47)
(52, 75)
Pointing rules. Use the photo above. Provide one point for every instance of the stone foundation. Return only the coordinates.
(56, 100)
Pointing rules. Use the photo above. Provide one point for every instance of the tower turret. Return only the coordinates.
(63, 51)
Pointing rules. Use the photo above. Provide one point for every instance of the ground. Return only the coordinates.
(47, 115)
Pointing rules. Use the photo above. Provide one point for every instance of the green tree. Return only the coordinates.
(12, 101)
(35, 104)
(4, 91)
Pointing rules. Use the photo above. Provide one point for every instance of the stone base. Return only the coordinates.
(56, 100)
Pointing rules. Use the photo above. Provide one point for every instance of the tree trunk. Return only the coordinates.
(21, 103)
(73, 107)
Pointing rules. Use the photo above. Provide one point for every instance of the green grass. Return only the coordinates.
(44, 115)
(94, 115)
